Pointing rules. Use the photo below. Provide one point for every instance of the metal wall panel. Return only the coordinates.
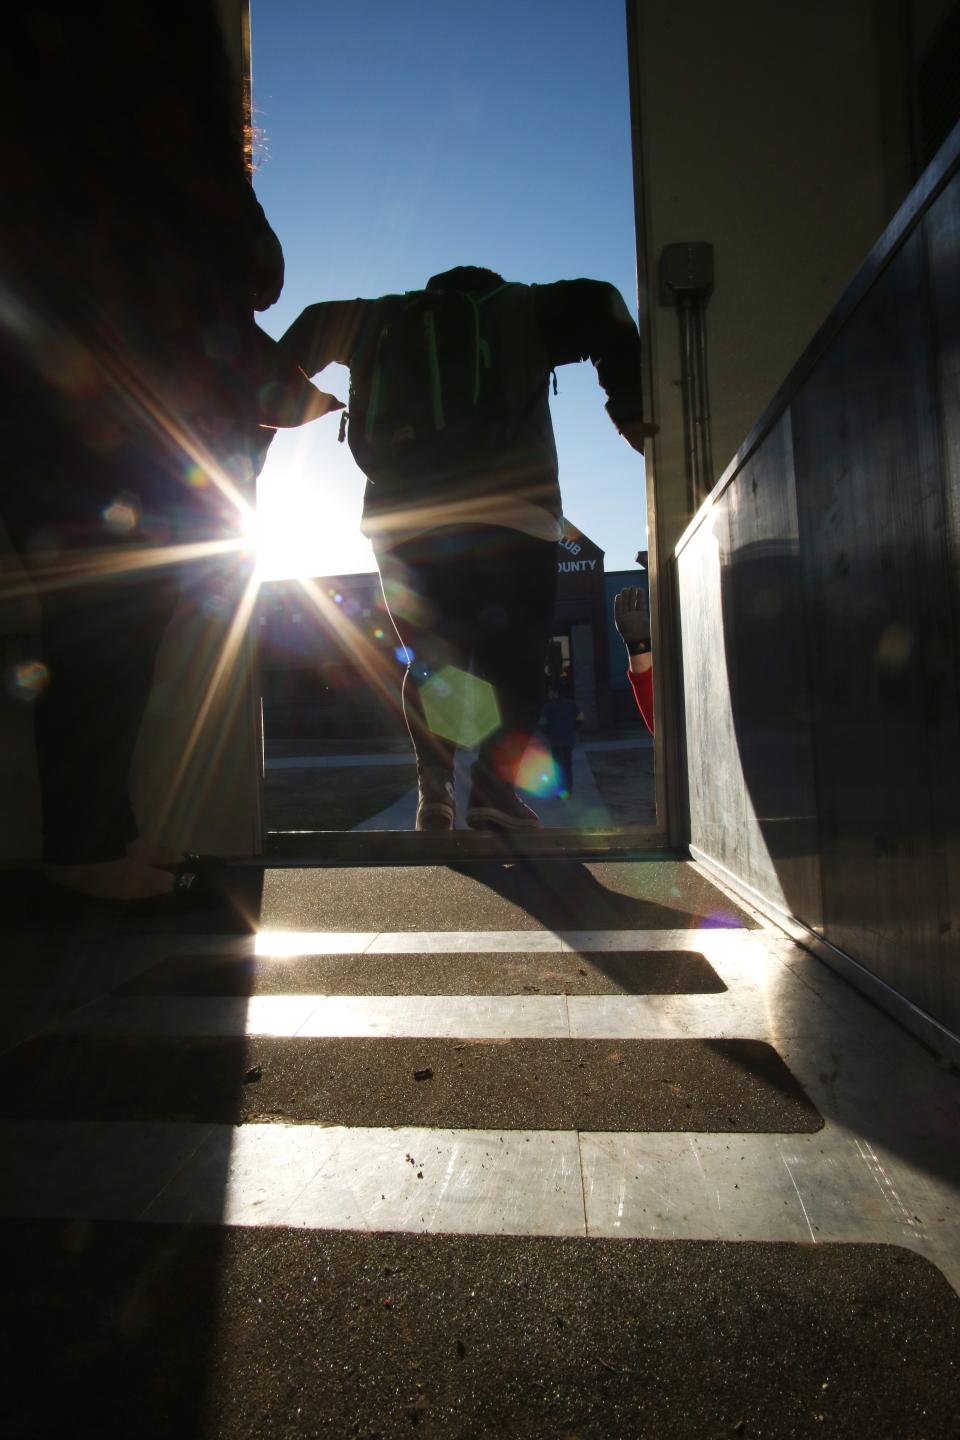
(752, 796)
(770, 687)
(942, 237)
(821, 579)
(718, 815)
(877, 580)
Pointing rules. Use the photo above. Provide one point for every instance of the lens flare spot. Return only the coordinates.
(508, 754)
(379, 634)
(536, 773)
(28, 680)
(215, 603)
(459, 706)
(196, 477)
(720, 920)
(121, 516)
(894, 649)
(239, 467)
(408, 605)
(404, 654)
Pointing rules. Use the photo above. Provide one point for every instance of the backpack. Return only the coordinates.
(427, 388)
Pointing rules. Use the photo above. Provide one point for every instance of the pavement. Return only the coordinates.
(584, 809)
(522, 1147)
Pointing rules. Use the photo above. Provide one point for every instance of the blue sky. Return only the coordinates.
(399, 139)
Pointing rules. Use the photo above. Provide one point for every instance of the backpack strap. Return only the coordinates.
(433, 360)
(507, 285)
(373, 403)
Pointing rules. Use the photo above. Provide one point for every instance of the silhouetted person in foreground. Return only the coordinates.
(450, 422)
(134, 254)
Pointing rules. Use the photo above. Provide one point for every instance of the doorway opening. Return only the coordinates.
(446, 166)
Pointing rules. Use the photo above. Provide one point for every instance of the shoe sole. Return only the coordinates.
(435, 817)
(488, 818)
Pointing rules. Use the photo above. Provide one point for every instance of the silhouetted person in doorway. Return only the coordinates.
(450, 422)
(134, 256)
(631, 616)
(561, 723)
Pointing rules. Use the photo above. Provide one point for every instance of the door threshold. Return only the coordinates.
(410, 847)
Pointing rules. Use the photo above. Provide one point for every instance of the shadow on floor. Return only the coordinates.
(30, 905)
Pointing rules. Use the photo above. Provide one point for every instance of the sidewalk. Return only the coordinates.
(349, 790)
(584, 810)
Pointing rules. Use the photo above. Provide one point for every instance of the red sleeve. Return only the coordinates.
(642, 682)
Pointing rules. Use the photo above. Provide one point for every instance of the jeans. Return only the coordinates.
(480, 597)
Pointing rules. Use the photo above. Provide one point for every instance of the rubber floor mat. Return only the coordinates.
(152, 1331)
(660, 972)
(696, 1085)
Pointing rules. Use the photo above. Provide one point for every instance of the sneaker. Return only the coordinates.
(437, 806)
(494, 805)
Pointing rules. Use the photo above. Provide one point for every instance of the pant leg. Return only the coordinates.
(99, 636)
(563, 760)
(429, 599)
(517, 579)
(99, 645)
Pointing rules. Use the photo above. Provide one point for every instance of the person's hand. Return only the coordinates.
(637, 432)
(631, 615)
(285, 397)
(285, 404)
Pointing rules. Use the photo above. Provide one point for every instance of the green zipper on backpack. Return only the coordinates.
(436, 389)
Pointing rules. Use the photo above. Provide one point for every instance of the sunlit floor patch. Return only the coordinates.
(810, 1189)
(470, 1017)
(473, 942)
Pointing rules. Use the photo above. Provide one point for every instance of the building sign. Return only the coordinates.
(577, 554)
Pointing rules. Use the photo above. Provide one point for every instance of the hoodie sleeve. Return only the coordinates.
(325, 333)
(589, 320)
(641, 682)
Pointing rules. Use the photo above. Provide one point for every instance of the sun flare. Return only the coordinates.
(307, 522)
